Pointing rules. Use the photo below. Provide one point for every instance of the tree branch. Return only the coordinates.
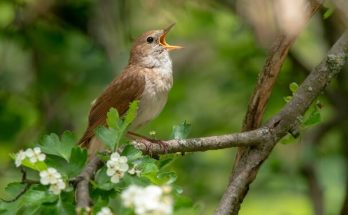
(242, 139)
(246, 169)
(83, 200)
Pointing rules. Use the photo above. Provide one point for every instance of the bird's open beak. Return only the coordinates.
(162, 40)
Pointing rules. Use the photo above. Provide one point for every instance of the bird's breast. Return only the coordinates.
(157, 85)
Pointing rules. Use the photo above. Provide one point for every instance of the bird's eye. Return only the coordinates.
(149, 39)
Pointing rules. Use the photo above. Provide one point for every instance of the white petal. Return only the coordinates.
(33, 159)
(37, 150)
(29, 153)
(51, 170)
(115, 179)
(123, 159)
(44, 181)
(115, 156)
(110, 172)
(123, 167)
(42, 157)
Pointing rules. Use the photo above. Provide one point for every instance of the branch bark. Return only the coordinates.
(246, 169)
(83, 200)
(243, 139)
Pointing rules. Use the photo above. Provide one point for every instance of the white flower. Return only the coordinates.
(49, 176)
(116, 167)
(105, 211)
(53, 178)
(57, 187)
(148, 200)
(20, 156)
(35, 155)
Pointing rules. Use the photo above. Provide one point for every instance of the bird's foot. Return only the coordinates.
(146, 140)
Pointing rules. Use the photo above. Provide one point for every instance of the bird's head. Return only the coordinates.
(151, 49)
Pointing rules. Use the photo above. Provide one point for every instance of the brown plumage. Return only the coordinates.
(119, 94)
(147, 78)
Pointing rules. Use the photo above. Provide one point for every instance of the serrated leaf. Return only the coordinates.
(181, 131)
(65, 205)
(112, 118)
(13, 189)
(131, 152)
(50, 144)
(77, 161)
(293, 87)
(108, 136)
(131, 113)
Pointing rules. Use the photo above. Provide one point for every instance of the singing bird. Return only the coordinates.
(147, 78)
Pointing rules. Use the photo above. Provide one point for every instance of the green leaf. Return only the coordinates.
(50, 144)
(131, 152)
(181, 131)
(287, 98)
(108, 136)
(77, 161)
(65, 205)
(314, 117)
(38, 166)
(112, 118)
(147, 166)
(131, 113)
(103, 180)
(167, 177)
(293, 87)
(14, 188)
(73, 167)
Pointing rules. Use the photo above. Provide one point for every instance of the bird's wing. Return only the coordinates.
(127, 87)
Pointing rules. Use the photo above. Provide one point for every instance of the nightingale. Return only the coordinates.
(147, 78)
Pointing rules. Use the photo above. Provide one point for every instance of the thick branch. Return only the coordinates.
(242, 139)
(246, 169)
(82, 186)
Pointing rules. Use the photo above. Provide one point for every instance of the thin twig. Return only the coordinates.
(24, 180)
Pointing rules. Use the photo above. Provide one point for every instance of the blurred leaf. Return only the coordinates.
(50, 144)
(287, 98)
(108, 136)
(293, 87)
(313, 117)
(112, 118)
(13, 189)
(131, 152)
(131, 113)
(7, 13)
(103, 180)
(167, 177)
(181, 131)
(77, 161)
(65, 205)
(38, 166)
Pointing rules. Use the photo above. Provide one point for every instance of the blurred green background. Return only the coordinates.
(56, 56)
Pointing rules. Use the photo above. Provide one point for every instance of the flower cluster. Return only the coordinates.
(148, 200)
(105, 211)
(34, 155)
(53, 178)
(116, 167)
